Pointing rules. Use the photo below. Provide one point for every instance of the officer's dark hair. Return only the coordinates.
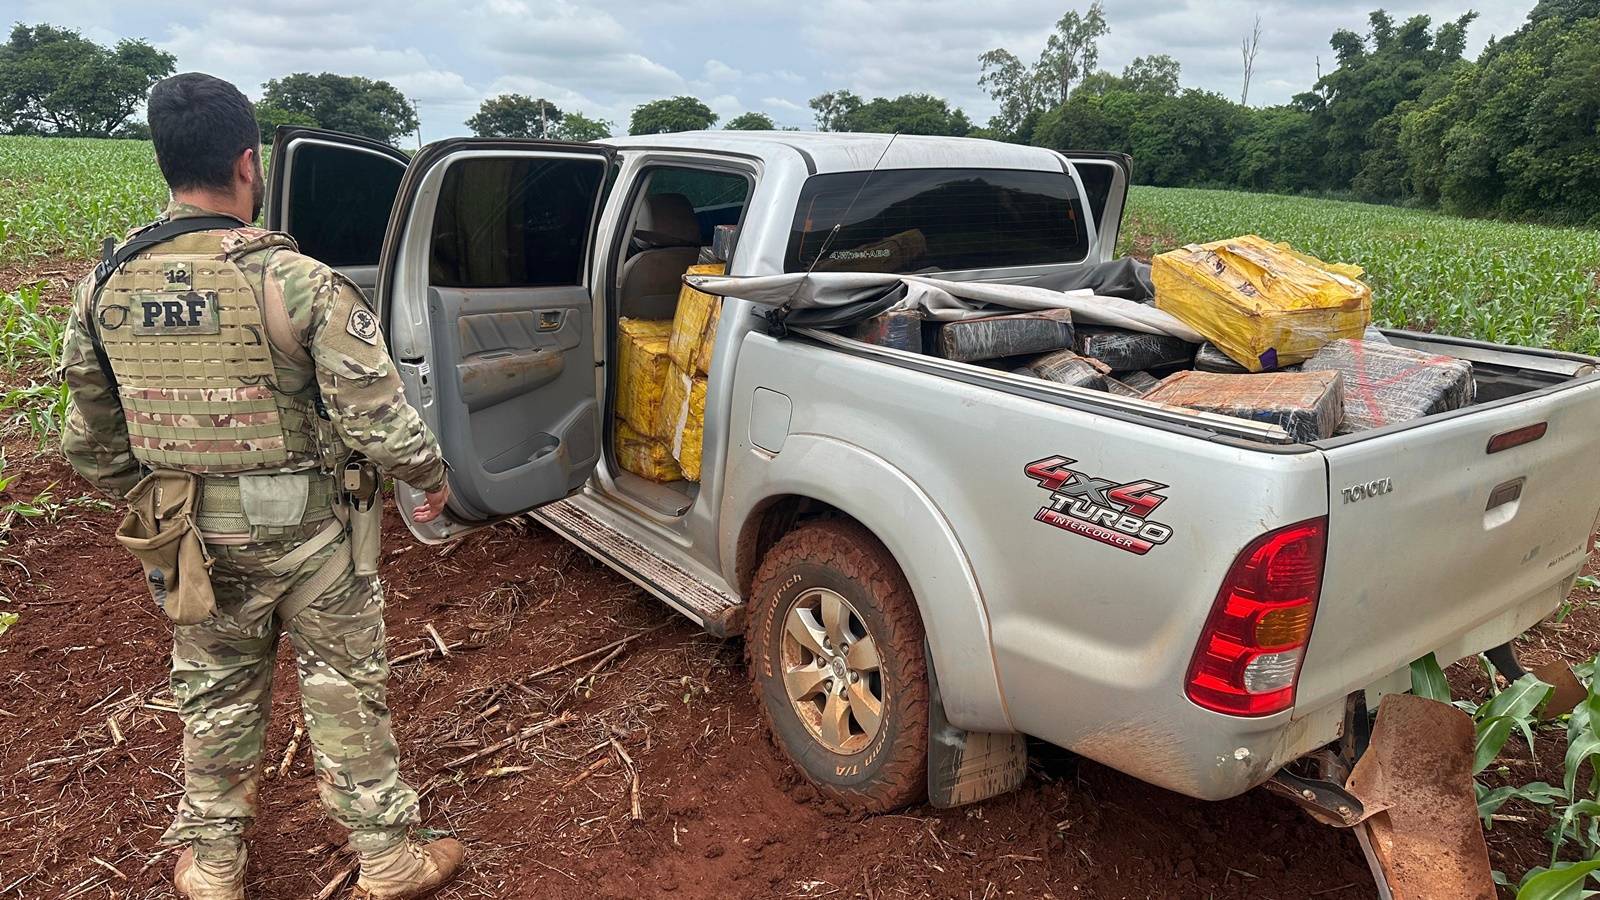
(200, 125)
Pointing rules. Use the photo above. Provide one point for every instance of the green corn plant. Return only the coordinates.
(39, 410)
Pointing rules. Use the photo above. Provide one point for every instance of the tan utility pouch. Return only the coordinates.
(159, 531)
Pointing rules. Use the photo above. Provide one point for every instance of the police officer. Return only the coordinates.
(225, 362)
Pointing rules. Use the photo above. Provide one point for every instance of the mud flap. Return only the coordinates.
(968, 766)
(1424, 842)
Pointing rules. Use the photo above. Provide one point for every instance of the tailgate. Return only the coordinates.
(1435, 544)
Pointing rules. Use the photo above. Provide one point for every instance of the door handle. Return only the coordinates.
(550, 319)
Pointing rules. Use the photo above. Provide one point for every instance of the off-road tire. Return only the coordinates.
(844, 557)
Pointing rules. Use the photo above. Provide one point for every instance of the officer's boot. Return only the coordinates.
(407, 869)
(211, 875)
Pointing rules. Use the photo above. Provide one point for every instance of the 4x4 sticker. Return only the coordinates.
(1098, 509)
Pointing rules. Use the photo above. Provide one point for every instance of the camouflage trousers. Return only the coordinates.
(222, 681)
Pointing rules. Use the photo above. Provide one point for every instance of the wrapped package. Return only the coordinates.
(900, 329)
(1143, 382)
(1210, 358)
(1066, 367)
(1013, 334)
(645, 456)
(1127, 351)
(722, 238)
(1121, 389)
(1262, 304)
(694, 325)
(685, 404)
(1373, 336)
(1308, 405)
(642, 370)
(1385, 384)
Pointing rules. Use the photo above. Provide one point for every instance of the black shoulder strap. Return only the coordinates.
(158, 233)
(113, 257)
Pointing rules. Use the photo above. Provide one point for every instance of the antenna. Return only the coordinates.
(834, 231)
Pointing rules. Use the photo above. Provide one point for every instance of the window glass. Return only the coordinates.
(339, 202)
(1097, 179)
(514, 221)
(931, 220)
(718, 198)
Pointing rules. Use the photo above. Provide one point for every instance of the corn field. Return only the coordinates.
(64, 196)
(1496, 281)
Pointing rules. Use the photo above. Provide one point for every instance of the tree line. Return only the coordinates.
(1402, 116)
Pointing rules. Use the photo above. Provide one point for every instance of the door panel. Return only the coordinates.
(485, 283)
(1106, 177)
(517, 409)
(334, 194)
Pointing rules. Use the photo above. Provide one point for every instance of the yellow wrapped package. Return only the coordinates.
(642, 369)
(644, 456)
(1263, 304)
(686, 416)
(694, 325)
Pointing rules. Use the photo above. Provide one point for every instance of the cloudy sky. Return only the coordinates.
(606, 56)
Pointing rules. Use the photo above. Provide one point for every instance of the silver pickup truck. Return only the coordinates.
(929, 559)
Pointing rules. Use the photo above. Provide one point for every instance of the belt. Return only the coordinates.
(221, 511)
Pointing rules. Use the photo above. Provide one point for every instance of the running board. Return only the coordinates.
(716, 612)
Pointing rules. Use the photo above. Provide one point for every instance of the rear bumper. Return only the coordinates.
(1211, 756)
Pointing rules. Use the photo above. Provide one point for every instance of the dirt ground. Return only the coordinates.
(631, 763)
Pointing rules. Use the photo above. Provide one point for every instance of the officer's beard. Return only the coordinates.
(258, 194)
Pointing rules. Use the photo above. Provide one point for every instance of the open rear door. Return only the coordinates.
(1106, 177)
(484, 289)
(333, 193)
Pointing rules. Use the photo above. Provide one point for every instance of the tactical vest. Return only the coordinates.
(186, 334)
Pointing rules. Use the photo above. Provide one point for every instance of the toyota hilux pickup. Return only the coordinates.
(929, 559)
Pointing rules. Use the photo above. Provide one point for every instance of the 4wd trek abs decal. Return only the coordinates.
(1101, 510)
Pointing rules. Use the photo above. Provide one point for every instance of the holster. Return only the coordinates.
(363, 496)
(159, 530)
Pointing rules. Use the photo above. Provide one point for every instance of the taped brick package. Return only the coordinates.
(646, 457)
(1308, 405)
(1385, 384)
(694, 324)
(1066, 367)
(1263, 304)
(1143, 382)
(1014, 334)
(685, 405)
(642, 369)
(900, 329)
(1129, 351)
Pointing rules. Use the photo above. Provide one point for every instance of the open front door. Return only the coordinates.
(333, 193)
(484, 289)
(1106, 177)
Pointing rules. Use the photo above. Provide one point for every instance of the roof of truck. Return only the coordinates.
(832, 151)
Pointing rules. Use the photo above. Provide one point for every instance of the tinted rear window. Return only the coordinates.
(339, 201)
(921, 220)
(514, 222)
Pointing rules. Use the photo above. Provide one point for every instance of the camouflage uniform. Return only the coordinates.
(222, 667)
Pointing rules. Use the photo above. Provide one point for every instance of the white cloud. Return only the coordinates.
(604, 57)
(717, 70)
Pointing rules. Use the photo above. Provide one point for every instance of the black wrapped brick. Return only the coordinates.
(1066, 367)
(1015, 334)
(900, 329)
(1128, 351)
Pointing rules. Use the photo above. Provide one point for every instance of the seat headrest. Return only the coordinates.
(667, 220)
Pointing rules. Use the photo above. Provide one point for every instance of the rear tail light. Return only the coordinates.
(1250, 652)
(1505, 440)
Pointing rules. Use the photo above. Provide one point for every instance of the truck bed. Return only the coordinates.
(1092, 644)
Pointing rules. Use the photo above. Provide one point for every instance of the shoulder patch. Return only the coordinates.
(363, 325)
